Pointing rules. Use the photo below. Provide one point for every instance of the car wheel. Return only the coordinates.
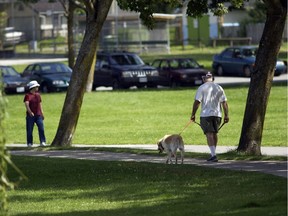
(44, 88)
(246, 71)
(94, 87)
(140, 86)
(151, 86)
(116, 84)
(220, 71)
(174, 84)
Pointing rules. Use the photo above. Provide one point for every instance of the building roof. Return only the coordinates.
(43, 6)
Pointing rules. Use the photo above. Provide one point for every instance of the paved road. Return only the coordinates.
(16, 61)
(278, 168)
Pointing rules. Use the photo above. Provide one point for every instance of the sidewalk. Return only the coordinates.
(273, 151)
(278, 168)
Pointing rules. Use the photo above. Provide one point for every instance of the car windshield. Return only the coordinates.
(126, 59)
(8, 71)
(55, 68)
(184, 63)
(249, 52)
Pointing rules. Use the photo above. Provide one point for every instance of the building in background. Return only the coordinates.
(124, 29)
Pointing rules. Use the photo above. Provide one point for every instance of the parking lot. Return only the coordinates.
(219, 80)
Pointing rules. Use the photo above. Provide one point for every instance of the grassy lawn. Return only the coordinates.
(144, 116)
(80, 187)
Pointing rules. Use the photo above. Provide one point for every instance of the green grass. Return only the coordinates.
(81, 187)
(144, 116)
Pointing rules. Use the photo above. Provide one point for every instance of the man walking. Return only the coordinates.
(212, 98)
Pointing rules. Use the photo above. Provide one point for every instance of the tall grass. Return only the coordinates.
(144, 116)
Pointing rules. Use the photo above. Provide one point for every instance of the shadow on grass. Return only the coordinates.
(80, 187)
(230, 155)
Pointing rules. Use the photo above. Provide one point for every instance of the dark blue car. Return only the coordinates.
(240, 61)
(12, 80)
(52, 76)
(123, 70)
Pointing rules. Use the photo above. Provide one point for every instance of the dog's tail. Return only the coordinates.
(180, 142)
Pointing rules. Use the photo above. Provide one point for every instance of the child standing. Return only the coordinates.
(34, 114)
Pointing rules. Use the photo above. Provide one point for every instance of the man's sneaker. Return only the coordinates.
(43, 144)
(213, 159)
(29, 145)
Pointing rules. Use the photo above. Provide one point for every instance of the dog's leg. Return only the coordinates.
(182, 155)
(176, 159)
(170, 156)
(167, 160)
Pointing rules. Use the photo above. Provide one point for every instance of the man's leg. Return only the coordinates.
(212, 139)
(210, 126)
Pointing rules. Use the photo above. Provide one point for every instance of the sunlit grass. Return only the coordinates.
(143, 117)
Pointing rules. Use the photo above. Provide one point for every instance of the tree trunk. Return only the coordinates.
(262, 77)
(90, 80)
(70, 22)
(96, 15)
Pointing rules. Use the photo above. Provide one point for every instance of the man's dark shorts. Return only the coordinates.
(210, 124)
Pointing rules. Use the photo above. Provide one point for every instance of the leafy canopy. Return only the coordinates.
(195, 8)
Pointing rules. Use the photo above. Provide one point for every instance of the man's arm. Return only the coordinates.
(226, 111)
(194, 109)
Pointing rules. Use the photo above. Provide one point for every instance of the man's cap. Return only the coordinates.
(209, 75)
(33, 84)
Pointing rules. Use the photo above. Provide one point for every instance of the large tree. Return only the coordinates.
(261, 78)
(96, 13)
(70, 7)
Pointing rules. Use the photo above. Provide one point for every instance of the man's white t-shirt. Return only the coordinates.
(210, 95)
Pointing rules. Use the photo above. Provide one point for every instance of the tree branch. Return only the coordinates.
(64, 5)
(89, 6)
(77, 4)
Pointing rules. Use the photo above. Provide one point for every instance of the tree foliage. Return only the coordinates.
(258, 13)
(5, 160)
(146, 9)
(4, 184)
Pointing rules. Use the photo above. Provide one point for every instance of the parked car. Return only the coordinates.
(179, 71)
(12, 80)
(11, 36)
(240, 60)
(52, 77)
(123, 70)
